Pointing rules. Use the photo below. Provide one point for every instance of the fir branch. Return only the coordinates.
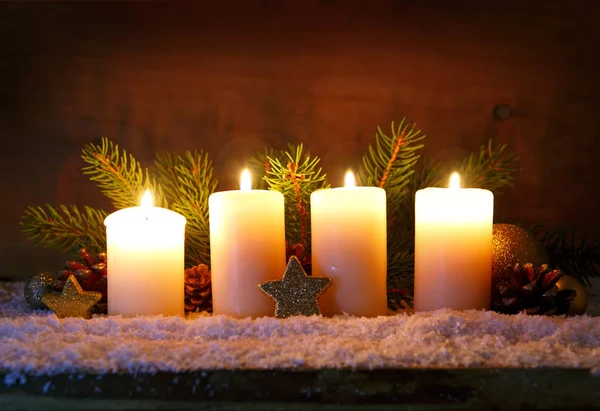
(390, 164)
(300, 207)
(190, 180)
(491, 169)
(166, 175)
(401, 229)
(296, 178)
(427, 175)
(65, 228)
(401, 269)
(391, 161)
(260, 166)
(576, 254)
(119, 175)
(399, 143)
(399, 299)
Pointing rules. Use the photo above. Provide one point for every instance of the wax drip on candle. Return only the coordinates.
(349, 180)
(246, 181)
(454, 180)
(146, 203)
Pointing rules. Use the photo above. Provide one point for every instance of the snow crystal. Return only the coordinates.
(35, 342)
(46, 387)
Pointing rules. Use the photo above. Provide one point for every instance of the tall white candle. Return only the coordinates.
(349, 244)
(247, 241)
(453, 247)
(145, 260)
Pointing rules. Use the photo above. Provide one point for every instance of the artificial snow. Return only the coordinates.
(38, 343)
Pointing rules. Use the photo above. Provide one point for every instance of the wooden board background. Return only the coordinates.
(233, 76)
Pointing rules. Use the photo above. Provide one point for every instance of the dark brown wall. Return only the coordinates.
(235, 77)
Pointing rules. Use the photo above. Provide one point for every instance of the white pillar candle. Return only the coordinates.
(349, 244)
(247, 247)
(145, 260)
(453, 247)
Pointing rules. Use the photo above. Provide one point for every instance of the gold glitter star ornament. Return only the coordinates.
(72, 301)
(297, 293)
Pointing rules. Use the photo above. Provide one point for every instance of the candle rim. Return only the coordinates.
(323, 191)
(246, 192)
(349, 188)
(455, 189)
(141, 215)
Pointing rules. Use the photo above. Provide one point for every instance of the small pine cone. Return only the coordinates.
(532, 291)
(198, 294)
(90, 272)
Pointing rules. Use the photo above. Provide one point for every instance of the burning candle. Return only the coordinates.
(145, 260)
(247, 241)
(453, 247)
(349, 244)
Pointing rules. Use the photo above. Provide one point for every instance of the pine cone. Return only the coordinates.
(531, 291)
(90, 272)
(198, 293)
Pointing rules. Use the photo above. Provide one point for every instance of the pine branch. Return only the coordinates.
(391, 161)
(189, 181)
(399, 299)
(401, 230)
(165, 164)
(65, 228)
(424, 176)
(296, 178)
(491, 169)
(576, 254)
(396, 148)
(120, 177)
(390, 164)
(401, 269)
(260, 166)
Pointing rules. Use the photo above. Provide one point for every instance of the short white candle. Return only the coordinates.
(145, 260)
(453, 247)
(349, 244)
(247, 247)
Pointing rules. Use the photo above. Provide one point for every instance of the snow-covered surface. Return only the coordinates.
(36, 342)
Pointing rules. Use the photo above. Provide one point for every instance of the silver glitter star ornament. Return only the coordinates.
(297, 293)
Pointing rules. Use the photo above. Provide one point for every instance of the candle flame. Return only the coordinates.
(246, 181)
(349, 180)
(454, 180)
(147, 199)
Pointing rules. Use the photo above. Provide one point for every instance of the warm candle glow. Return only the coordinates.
(246, 181)
(454, 180)
(349, 180)
(147, 199)
(349, 245)
(145, 253)
(247, 248)
(453, 247)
